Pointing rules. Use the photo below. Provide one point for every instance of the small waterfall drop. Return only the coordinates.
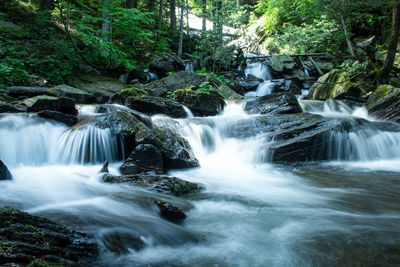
(260, 70)
(263, 89)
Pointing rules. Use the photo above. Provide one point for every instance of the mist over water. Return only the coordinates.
(251, 213)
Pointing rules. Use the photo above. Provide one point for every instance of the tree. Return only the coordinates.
(181, 29)
(392, 47)
(172, 14)
(204, 14)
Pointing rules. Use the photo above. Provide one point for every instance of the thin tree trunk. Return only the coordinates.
(181, 29)
(106, 28)
(172, 14)
(346, 35)
(392, 49)
(131, 3)
(204, 13)
(187, 18)
(160, 14)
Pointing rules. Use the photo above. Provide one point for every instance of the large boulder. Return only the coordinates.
(80, 96)
(280, 63)
(151, 105)
(5, 174)
(279, 103)
(384, 103)
(67, 119)
(228, 93)
(26, 91)
(44, 102)
(200, 103)
(35, 241)
(335, 84)
(179, 80)
(166, 63)
(144, 158)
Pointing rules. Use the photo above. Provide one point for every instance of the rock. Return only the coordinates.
(102, 87)
(144, 158)
(166, 63)
(67, 119)
(179, 80)
(366, 43)
(121, 241)
(26, 92)
(200, 103)
(384, 103)
(291, 86)
(9, 108)
(44, 102)
(104, 169)
(251, 83)
(279, 103)
(228, 93)
(279, 63)
(26, 239)
(122, 95)
(169, 211)
(335, 84)
(5, 174)
(79, 96)
(162, 184)
(151, 105)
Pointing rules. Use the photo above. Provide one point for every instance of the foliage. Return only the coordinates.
(205, 87)
(353, 68)
(12, 71)
(170, 95)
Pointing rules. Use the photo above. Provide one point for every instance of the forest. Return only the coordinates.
(199, 133)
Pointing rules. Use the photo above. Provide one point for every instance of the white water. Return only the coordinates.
(263, 89)
(251, 213)
(260, 70)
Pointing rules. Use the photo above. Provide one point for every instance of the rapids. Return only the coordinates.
(252, 213)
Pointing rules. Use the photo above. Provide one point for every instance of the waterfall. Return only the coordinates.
(263, 89)
(260, 70)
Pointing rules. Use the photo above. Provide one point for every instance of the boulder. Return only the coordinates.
(79, 96)
(121, 241)
(26, 91)
(169, 211)
(228, 93)
(44, 102)
(200, 103)
(335, 84)
(67, 119)
(280, 63)
(27, 239)
(10, 108)
(151, 105)
(144, 158)
(384, 103)
(179, 80)
(5, 174)
(162, 65)
(122, 95)
(161, 184)
(251, 83)
(279, 103)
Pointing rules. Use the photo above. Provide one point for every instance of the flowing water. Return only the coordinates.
(252, 213)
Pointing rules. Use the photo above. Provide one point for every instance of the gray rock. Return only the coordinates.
(44, 102)
(151, 105)
(67, 119)
(279, 103)
(78, 95)
(200, 103)
(166, 63)
(5, 174)
(10, 108)
(26, 91)
(384, 103)
(144, 158)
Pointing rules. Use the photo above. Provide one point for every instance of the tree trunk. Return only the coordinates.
(392, 49)
(172, 14)
(204, 14)
(346, 35)
(160, 14)
(106, 28)
(187, 18)
(181, 29)
(131, 3)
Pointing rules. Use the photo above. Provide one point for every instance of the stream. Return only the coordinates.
(251, 213)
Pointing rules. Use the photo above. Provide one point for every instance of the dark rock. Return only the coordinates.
(251, 83)
(143, 159)
(228, 93)
(179, 80)
(384, 103)
(69, 120)
(169, 211)
(43, 102)
(200, 103)
(78, 95)
(26, 238)
(104, 169)
(280, 103)
(110, 108)
(5, 174)
(122, 95)
(156, 105)
(25, 91)
(120, 241)
(10, 108)
(166, 63)
(162, 184)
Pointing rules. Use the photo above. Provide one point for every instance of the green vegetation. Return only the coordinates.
(132, 92)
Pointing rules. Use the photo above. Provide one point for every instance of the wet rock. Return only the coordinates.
(67, 119)
(384, 103)
(166, 63)
(104, 169)
(169, 211)
(120, 241)
(123, 95)
(286, 86)
(179, 80)
(228, 93)
(143, 159)
(279, 103)
(156, 105)
(161, 184)
(43, 102)
(26, 239)
(200, 103)
(26, 91)
(10, 108)
(280, 63)
(4, 172)
(251, 83)
(78, 95)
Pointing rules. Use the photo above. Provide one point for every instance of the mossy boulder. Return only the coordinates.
(335, 84)
(384, 103)
(151, 105)
(131, 92)
(200, 103)
(279, 63)
(27, 239)
(279, 103)
(78, 95)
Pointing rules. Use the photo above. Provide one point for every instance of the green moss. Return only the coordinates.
(382, 90)
(132, 92)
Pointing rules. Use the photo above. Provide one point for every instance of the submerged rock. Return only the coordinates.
(384, 103)
(143, 159)
(169, 211)
(120, 241)
(27, 239)
(69, 120)
(200, 103)
(156, 105)
(279, 103)
(4, 172)
(104, 169)
(161, 184)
